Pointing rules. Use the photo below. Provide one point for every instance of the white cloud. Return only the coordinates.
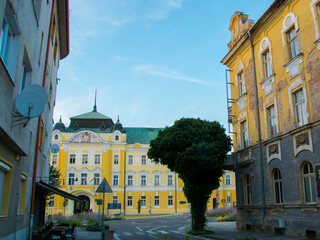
(164, 71)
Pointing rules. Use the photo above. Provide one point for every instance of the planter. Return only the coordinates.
(108, 234)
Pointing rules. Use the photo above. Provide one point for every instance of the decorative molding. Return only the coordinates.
(302, 141)
(273, 151)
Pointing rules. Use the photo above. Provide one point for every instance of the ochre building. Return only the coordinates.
(274, 109)
(93, 148)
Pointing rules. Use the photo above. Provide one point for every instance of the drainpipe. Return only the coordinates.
(39, 128)
(259, 134)
(124, 185)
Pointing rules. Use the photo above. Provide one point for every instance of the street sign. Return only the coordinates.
(65, 203)
(114, 205)
(104, 187)
(99, 201)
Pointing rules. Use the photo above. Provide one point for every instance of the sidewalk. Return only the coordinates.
(228, 231)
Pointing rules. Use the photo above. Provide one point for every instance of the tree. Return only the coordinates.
(195, 149)
(54, 176)
(139, 206)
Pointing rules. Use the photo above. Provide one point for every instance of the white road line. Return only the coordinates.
(163, 232)
(127, 234)
(139, 229)
(116, 236)
(175, 231)
(151, 232)
(139, 233)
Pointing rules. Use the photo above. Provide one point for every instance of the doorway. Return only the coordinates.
(82, 207)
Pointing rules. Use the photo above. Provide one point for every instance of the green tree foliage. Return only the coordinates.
(139, 206)
(195, 149)
(54, 176)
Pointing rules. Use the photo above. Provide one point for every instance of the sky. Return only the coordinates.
(152, 62)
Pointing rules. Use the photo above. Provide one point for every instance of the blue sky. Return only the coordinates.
(151, 61)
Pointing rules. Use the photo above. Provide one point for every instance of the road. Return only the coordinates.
(164, 227)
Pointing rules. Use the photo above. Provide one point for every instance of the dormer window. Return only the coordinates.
(116, 138)
(56, 137)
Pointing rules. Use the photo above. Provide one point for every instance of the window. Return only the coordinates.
(22, 195)
(156, 180)
(277, 186)
(130, 180)
(55, 50)
(54, 158)
(51, 201)
(248, 190)
(84, 178)
(170, 200)
(299, 107)
(143, 159)
(242, 89)
(115, 180)
(96, 179)
(56, 137)
(84, 158)
(308, 182)
(143, 201)
(115, 199)
(267, 64)
(5, 182)
(227, 177)
(72, 158)
(116, 138)
(293, 43)
(25, 78)
(9, 41)
(129, 202)
(97, 159)
(244, 134)
(229, 200)
(71, 178)
(116, 159)
(272, 124)
(143, 180)
(130, 160)
(170, 180)
(156, 201)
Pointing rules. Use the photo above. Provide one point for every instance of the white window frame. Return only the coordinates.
(308, 183)
(143, 160)
(242, 88)
(299, 107)
(85, 158)
(115, 180)
(116, 159)
(244, 134)
(228, 179)
(170, 180)
(156, 180)
(97, 158)
(143, 201)
(272, 121)
(143, 180)
(72, 158)
(277, 186)
(129, 181)
(96, 178)
(170, 200)
(71, 179)
(130, 159)
(156, 201)
(129, 201)
(84, 178)
(54, 159)
(114, 199)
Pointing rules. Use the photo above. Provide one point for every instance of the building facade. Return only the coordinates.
(274, 104)
(34, 37)
(93, 148)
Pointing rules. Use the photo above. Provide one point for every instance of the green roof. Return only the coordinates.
(91, 115)
(141, 135)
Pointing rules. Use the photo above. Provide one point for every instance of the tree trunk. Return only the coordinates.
(198, 210)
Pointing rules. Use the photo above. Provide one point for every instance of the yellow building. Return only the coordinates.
(93, 148)
(274, 110)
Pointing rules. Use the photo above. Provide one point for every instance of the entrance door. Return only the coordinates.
(82, 207)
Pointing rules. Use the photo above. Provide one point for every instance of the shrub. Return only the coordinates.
(220, 212)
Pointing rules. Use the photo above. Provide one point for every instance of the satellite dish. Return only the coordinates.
(55, 148)
(32, 101)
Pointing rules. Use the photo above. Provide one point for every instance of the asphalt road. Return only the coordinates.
(164, 227)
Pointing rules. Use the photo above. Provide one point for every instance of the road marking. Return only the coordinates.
(116, 236)
(163, 232)
(127, 234)
(139, 233)
(139, 229)
(151, 232)
(175, 231)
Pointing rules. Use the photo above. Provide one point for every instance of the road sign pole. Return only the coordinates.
(104, 185)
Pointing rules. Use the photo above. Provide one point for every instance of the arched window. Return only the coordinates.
(277, 186)
(248, 190)
(308, 184)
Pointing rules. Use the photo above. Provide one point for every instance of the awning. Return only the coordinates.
(55, 190)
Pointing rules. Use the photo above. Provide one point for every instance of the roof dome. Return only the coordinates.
(118, 126)
(59, 126)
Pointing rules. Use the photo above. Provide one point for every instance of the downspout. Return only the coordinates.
(259, 133)
(175, 192)
(124, 185)
(39, 128)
